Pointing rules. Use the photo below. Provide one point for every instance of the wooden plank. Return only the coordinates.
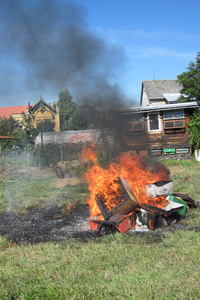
(150, 141)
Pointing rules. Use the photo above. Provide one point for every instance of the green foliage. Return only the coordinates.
(27, 122)
(8, 127)
(55, 153)
(194, 129)
(46, 126)
(22, 139)
(18, 158)
(191, 89)
(3, 201)
(29, 133)
(191, 81)
(70, 113)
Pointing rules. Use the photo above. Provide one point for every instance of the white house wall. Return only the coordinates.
(145, 101)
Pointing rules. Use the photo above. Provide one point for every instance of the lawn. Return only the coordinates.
(119, 266)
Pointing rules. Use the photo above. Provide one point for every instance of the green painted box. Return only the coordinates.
(178, 200)
(169, 151)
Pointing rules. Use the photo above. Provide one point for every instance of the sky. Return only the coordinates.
(100, 50)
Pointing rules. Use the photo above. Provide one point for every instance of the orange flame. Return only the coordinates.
(104, 184)
(89, 153)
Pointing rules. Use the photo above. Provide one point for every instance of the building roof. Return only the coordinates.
(11, 110)
(40, 104)
(143, 109)
(69, 136)
(5, 137)
(156, 88)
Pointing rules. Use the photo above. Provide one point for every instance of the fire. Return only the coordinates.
(89, 153)
(104, 184)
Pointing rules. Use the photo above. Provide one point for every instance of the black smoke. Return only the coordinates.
(53, 42)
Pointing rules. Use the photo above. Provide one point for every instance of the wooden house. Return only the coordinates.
(159, 125)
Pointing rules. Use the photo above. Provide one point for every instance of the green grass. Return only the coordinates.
(32, 192)
(119, 266)
(186, 178)
(114, 267)
(3, 200)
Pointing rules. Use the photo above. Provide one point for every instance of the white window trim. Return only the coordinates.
(159, 122)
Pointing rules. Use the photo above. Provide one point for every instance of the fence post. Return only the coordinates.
(42, 145)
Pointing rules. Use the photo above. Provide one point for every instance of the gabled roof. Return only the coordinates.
(8, 111)
(41, 103)
(156, 88)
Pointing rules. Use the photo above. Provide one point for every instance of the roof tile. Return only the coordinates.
(8, 111)
(156, 88)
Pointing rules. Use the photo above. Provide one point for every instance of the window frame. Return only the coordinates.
(173, 117)
(159, 122)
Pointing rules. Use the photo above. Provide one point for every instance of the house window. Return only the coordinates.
(174, 124)
(134, 125)
(174, 114)
(138, 117)
(174, 121)
(134, 117)
(154, 122)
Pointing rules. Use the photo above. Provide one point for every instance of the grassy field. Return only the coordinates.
(118, 266)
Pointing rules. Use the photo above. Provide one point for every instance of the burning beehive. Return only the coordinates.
(127, 191)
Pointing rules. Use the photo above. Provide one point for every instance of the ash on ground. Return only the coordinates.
(51, 223)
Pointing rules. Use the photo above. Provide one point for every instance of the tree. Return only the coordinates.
(8, 126)
(191, 91)
(46, 126)
(194, 129)
(70, 113)
(27, 137)
(191, 81)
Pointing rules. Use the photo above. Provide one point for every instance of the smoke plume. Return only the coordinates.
(54, 44)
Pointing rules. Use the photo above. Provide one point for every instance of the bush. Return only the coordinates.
(55, 153)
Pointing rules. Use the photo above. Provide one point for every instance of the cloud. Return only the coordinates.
(158, 52)
(144, 35)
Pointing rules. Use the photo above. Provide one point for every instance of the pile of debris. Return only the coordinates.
(129, 214)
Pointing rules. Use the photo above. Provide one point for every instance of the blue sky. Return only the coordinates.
(144, 40)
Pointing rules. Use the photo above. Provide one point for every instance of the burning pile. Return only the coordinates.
(129, 191)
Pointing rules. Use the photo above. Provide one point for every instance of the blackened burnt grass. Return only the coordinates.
(111, 267)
